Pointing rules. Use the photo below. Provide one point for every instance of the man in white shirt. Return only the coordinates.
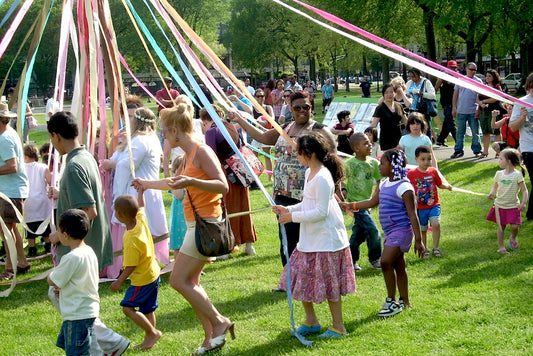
(250, 88)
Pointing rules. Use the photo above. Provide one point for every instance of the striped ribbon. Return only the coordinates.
(431, 67)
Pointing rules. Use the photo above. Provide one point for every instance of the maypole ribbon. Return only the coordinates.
(160, 53)
(9, 12)
(137, 80)
(8, 36)
(202, 72)
(456, 78)
(213, 58)
(6, 75)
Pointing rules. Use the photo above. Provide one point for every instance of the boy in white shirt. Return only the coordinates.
(76, 282)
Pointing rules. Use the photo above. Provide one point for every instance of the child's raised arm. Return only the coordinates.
(410, 204)
(140, 195)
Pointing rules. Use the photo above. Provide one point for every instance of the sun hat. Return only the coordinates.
(5, 112)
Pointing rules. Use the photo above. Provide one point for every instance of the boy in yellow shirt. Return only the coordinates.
(140, 266)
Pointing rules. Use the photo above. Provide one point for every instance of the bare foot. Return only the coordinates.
(150, 340)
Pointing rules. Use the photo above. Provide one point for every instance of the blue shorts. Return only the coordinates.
(428, 215)
(75, 336)
(142, 297)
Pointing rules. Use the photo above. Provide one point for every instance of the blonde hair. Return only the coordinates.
(399, 80)
(177, 163)
(179, 117)
(184, 99)
(143, 122)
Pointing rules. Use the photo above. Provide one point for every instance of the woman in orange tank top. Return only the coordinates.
(206, 183)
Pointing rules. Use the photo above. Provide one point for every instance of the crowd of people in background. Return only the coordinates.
(311, 186)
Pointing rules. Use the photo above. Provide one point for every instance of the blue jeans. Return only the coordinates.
(462, 120)
(364, 228)
(75, 336)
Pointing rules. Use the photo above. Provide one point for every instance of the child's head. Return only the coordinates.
(414, 119)
(31, 153)
(341, 115)
(372, 134)
(316, 143)
(393, 164)
(74, 223)
(44, 152)
(176, 164)
(423, 156)
(511, 156)
(126, 208)
(360, 144)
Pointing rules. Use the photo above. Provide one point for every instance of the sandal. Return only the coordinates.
(513, 244)
(426, 253)
(437, 253)
(503, 251)
(481, 155)
(6, 275)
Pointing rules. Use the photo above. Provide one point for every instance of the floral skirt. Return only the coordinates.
(319, 276)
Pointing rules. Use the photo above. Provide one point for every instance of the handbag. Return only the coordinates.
(213, 238)
(32, 122)
(427, 106)
(236, 170)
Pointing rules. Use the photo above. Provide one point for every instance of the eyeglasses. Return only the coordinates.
(305, 107)
(472, 69)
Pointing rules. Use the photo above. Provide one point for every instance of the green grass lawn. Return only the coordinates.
(473, 301)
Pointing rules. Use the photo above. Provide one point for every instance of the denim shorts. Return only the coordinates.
(142, 297)
(428, 215)
(75, 336)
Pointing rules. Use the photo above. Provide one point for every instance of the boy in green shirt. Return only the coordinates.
(362, 172)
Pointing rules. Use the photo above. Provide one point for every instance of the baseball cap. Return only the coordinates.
(452, 64)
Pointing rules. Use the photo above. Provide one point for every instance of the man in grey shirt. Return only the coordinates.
(464, 109)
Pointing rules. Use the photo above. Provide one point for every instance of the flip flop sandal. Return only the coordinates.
(427, 253)
(437, 253)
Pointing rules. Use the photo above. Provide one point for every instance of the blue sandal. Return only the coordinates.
(332, 333)
(306, 329)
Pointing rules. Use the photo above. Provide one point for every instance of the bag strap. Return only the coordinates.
(222, 204)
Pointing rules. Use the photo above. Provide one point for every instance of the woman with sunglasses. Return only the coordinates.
(289, 174)
(420, 88)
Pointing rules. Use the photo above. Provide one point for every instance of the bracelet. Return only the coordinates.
(354, 206)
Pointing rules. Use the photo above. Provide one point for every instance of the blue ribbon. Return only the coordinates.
(9, 12)
(160, 53)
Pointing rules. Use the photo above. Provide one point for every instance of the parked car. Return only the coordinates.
(512, 81)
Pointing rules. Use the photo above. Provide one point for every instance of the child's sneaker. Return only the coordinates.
(356, 267)
(389, 308)
(376, 264)
(401, 303)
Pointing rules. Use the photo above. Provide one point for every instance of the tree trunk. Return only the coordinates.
(430, 35)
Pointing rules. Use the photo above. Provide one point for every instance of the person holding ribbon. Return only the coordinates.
(287, 159)
(238, 197)
(205, 182)
(14, 185)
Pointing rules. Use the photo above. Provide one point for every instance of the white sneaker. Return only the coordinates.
(356, 267)
(376, 264)
(389, 308)
(249, 249)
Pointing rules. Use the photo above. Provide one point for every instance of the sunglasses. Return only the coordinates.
(259, 96)
(305, 107)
